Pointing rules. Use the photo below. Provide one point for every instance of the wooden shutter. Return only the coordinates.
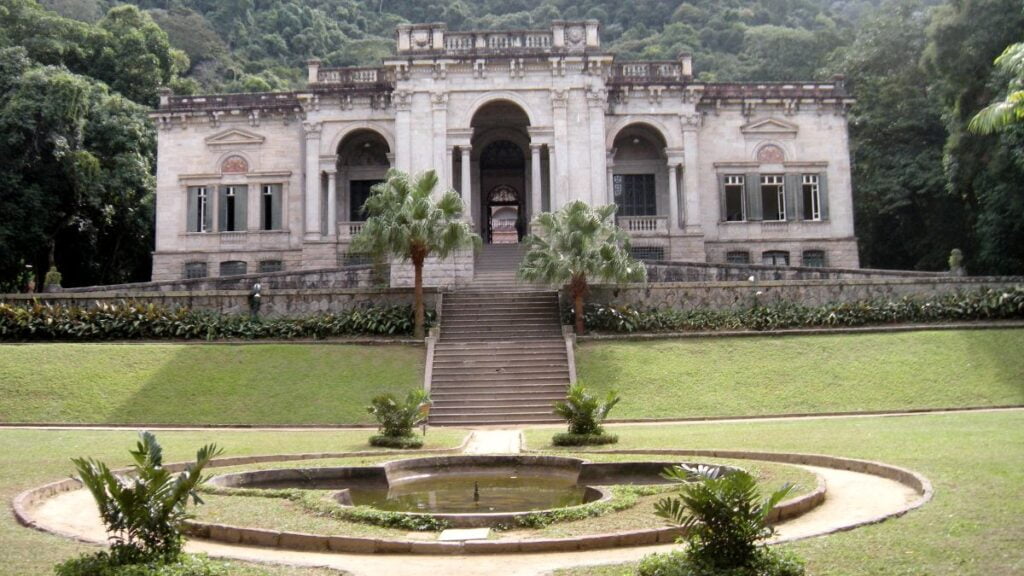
(794, 190)
(823, 195)
(210, 203)
(192, 214)
(723, 209)
(222, 208)
(753, 183)
(241, 207)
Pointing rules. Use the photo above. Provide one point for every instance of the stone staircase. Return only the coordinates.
(501, 358)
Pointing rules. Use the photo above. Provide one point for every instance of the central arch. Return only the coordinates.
(501, 150)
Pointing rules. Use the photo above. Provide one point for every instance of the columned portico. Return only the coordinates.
(312, 200)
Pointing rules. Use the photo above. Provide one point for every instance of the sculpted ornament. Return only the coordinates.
(234, 165)
(771, 154)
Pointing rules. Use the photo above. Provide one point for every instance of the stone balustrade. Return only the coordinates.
(644, 225)
(353, 76)
(348, 230)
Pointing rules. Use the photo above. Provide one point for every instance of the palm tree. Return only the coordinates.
(405, 221)
(577, 244)
(1000, 115)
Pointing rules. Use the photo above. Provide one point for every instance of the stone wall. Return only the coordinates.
(742, 294)
(456, 270)
(674, 271)
(347, 277)
(275, 303)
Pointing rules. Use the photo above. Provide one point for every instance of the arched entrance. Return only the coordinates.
(640, 173)
(363, 161)
(505, 215)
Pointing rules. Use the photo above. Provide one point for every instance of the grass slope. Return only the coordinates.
(32, 457)
(201, 384)
(972, 527)
(794, 374)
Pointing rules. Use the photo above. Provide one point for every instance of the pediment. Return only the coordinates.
(235, 137)
(771, 126)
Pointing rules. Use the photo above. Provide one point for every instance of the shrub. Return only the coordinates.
(397, 419)
(102, 564)
(133, 321)
(769, 563)
(569, 439)
(583, 412)
(143, 510)
(983, 304)
(396, 442)
(725, 518)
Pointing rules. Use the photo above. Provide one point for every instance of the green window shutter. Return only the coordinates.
(275, 207)
(793, 191)
(723, 213)
(192, 214)
(753, 183)
(210, 203)
(823, 195)
(241, 207)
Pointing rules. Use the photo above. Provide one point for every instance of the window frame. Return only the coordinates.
(774, 254)
(644, 207)
(220, 269)
(196, 263)
(780, 195)
(803, 258)
(812, 208)
(733, 180)
(731, 253)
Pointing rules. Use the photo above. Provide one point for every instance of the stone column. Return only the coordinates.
(312, 227)
(560, 195)
(466, 185)
(553, 178)
(596, 100)
(610, 176)
(332, 203)
(402, 100)
(691, 184)
(673, 196)
(439, 108)
(536, 185)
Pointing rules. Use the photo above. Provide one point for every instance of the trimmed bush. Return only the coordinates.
(403, 442)
(101, 564)
(982, 304)
(569, 439)
(135, 321)
(769, 563)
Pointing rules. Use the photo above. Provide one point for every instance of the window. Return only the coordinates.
(737, 257)
(232, 208)
(775, 258)
(270, 207)
(198, 209)
(814, 258)
(773, 197)
(232, 268)
(649, 253)
(195, 270)
(735, 199)
(635, 194)
(811, 197)
(267, 266)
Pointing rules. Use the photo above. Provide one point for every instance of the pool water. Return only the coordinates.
(472, 494)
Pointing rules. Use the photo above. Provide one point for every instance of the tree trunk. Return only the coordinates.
(417, 264)
(577, 303)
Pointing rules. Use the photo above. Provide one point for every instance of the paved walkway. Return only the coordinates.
(494, 442)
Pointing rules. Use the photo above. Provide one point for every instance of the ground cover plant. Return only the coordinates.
(130, 320)
(397, 420)
(807, 374)
(982, 304)
(202, 383)
(970, 528)
(584, 413)
(33, 457)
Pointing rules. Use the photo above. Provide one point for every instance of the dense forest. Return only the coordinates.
(76, 76)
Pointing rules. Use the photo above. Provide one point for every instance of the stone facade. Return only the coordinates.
(518, 122)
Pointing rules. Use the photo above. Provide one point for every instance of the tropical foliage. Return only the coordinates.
(584, 412)
(143, 510)
(979, 305)
(725, 518)
(1001, 115)
(396, 419)
(137, 321)
(577, 245)
(405, 220)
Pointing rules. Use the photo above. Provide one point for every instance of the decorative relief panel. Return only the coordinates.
(234, 165)
(771, 154)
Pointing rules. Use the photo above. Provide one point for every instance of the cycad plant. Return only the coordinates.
(584, 412)
(725, 517)
(143, 510)
(405, 221)
(398, 419)
(577, 245)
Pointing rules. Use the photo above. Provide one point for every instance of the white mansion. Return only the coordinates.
(518, 122)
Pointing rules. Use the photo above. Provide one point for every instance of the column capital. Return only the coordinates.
(535, 147)
(331, 171)
(312, 129)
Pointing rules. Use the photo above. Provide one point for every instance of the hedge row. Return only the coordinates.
(979, 305)
(132, 321)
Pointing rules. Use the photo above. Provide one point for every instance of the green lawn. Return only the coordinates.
(200, 383)
(795, 374)
(32, 457)
(973, 526)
